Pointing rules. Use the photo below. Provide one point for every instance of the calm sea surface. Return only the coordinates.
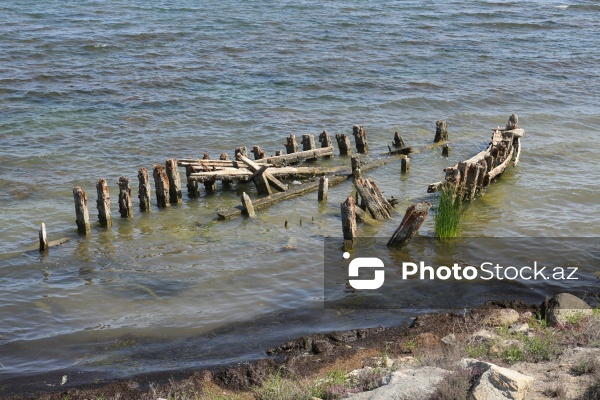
(94, 89)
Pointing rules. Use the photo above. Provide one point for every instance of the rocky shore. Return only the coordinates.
(501, 350)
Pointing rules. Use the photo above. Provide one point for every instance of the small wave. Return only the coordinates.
(561, 7)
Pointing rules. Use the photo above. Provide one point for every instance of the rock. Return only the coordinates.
(527, 315)
(427, 340)
(449, 340)
(501, 317)
(321, 346)
(498, 383)
(519, 328)
(484, 336)
(406, 384)
(378, 362)
(498, 348)
(564, 308)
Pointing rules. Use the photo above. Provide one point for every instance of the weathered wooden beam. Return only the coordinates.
(446, 150)
(441, 131)
(325, 141)
(192, 185)
(360, 137)
(144, 189)
(343, 143)
(398, 142)
(103, 203)
(254, 167)
(125, 203)
(308, 143)
(412, 221)
(161, 185)
(401, 151)
(373, 199)
(404, 165)
(348, 222)
(355, 165)
(290, 144)
(518, 145)
(174, 181)
(283, 172)
(81, 210)
(323, 189)
(241, 150)
(247, 207)
(363, 216)
(258, 152)
(43, 239)
(297, 156)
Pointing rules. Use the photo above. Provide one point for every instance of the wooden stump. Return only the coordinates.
(360, 136)
(43, 238)
(441, 131)
(248, 209)
(125, 204)
(161, 184)
(241, 150)
(206, 156)
(278, 153)
(323, 188)
(398, 142)
(343, 142)
(308, 143)
(174, 181)
(192, 184)
(291, 146)
(405, 165)
(81, 210)
(325, 141)
(513, 121)
(258, 152)
(348, 222)
(225, 182)
(144, 189)
(355, 163)
(412, 221)
(103, 203)
(446, 151)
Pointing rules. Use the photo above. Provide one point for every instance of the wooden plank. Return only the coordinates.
(285, 172)
(247, 207)
(254, 167)
(297, 156)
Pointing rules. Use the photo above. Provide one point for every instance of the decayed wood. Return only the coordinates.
(501, 167)
(241, 150)
(343, 143)
(103, 203)
(161, 185)
(258, 152)
(297, 156)
(290, 145)
(125, 203)
(355, 165)
(323, 188)
(372, 199)
(363, 216)
(512, 123)
(348, 222)
(441, 131)
(412, 221)
(43, 239)
(144, 189)
(405, 165)
(434, 187)
(325, 141)
(401, 151)
(398, 142)
(174, 180)
(261, 176)
(81, 210)
(192, 185)
(283, 172)
(308, 143)
(360, 137)
(225, 182)
(247, 207)
(446, 150)
(278, 152)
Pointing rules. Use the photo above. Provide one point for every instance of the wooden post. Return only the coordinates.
(308, 143)
(103, 203)
(248, 209)
(161, 184)
(325, 140)
(404, 165)
(323, 188)
(144, 189)
(192, 184)
(241, 150)
(225, 182)
(441, 131)
(210, 184)
(43, 238)
(360, 136)
(259, 153)
(125, 204)
(446, 150)
(398, 142)
(373, 200)
(412, 221)
(355, 162)
(206, 156)
(174, 181)
(277, 153)
(513, 121)
(348, 222)
(290, 145)
(81, 210)
(343, 142)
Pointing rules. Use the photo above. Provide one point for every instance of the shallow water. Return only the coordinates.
(90, 91)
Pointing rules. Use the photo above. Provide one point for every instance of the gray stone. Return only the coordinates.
(449, 340)
(484, 336)
(501, 317)
(498, 383)
(519, 328)
(564, 308)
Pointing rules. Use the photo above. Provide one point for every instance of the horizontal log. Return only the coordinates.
(297, 157)
(243, 173)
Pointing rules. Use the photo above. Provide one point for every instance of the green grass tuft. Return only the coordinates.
(448, 216)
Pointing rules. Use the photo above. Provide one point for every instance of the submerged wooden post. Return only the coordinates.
(412, 221)
(355, 163)
(161, 184)
(125, 204)
(360, 136)
(43, 238)
(192, 184)
(348, 222)
(404, 165)
(259, 153)
(343, 142)
(174, 181)
(441, 131)
(81, 210)
(323, 188)
(248, 208)
(398, 142)
(103, 203)
(308, 143)
(290, 145)
(325, 141)
(446, 150)
(144, 189)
